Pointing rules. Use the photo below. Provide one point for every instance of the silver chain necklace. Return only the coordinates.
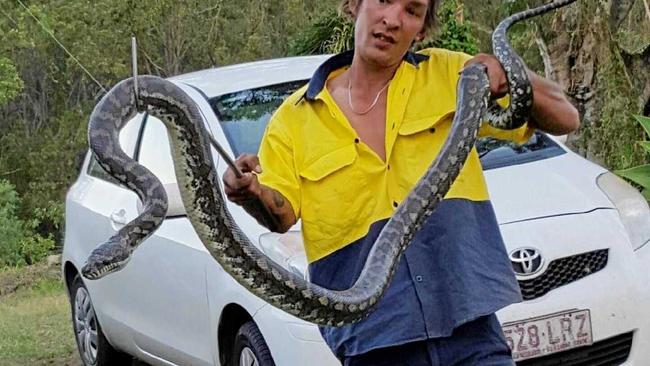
(373, 103)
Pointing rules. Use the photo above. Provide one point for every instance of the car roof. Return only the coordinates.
(228, 79)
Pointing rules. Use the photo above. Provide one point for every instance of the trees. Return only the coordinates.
(599, 51)
(47, 92)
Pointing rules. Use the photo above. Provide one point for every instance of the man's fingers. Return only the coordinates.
(245, 187)
(249, 163)
(234, 183)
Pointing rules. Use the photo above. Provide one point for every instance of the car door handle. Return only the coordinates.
(119, 217)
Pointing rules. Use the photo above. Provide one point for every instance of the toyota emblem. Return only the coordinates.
(526, 261)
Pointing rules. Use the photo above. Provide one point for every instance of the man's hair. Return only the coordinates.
(430, 19)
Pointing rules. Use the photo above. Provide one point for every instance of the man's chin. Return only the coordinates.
(383, 57)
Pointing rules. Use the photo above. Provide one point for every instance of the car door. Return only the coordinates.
(96, 208)
(166, 289)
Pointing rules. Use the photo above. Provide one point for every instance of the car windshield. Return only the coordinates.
(243, 115)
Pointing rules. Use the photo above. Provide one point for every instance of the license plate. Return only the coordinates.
(548, 334)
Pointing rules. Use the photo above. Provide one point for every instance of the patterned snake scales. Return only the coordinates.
(199, 186)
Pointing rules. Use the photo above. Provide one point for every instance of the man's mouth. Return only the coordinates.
(384, 37)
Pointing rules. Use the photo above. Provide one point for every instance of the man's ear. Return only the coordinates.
(420, 36)
(353, 7)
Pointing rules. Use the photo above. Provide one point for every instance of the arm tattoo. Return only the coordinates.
(264, 216)
(278, 200)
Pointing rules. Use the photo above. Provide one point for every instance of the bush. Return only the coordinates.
(455, 33)
(640, 175)
(33, 249)
(19, 244)
(12, 229)
(41, 165)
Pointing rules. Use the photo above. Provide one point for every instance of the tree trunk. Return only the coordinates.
(600, 54)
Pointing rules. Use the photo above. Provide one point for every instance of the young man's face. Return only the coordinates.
(385, 29)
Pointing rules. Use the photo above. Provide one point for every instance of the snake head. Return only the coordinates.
(107, 258)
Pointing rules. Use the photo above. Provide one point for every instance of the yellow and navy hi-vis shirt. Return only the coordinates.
(456, 268)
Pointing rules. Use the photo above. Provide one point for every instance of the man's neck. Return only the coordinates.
(367, 77)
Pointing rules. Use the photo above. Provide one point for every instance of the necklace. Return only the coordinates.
(373, 103)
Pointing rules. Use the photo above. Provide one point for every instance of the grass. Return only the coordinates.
(35, 326)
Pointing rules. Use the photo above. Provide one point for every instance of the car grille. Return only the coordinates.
(610, 352)
(564, 271)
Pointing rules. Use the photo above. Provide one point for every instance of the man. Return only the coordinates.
(345, 150)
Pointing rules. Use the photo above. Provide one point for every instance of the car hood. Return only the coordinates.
(560, 185)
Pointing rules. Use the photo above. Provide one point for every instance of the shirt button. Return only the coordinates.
(356, 141)
(418, 278)
(395, 204)
(388, 167)
(432, 130)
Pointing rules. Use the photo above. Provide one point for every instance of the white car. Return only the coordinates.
(577, 237)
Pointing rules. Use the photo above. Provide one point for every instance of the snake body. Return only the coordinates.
(200, 191)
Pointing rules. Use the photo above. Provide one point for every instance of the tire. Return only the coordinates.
(250, 348)
(92, 345)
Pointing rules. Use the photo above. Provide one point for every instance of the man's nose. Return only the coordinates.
(392, 17)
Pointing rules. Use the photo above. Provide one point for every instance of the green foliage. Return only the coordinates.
(46, 96)
(12, 231)
(18, 243)
(455, 33)
(640, 175)
(329, 34)
(10, 83)
(332, 33)
(34, 249)
(612, 136)
(42, 165)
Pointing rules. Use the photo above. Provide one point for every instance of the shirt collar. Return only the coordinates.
(317, 82)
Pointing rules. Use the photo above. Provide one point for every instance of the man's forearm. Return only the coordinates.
(271, 210)
(551, 111)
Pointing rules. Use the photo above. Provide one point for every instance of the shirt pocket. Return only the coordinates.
(418, 143)
(414, 126)
(329, 163)
(333, 186)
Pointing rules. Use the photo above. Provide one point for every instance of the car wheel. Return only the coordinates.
(93, 347)
(250, 348)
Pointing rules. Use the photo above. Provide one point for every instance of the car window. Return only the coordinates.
(128, 141)
(500, 153)
(155, 151)
(243, 115)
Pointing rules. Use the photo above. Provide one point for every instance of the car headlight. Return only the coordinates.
(631, 205)
(286, 250)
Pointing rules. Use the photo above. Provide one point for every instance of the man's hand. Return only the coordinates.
(247, 187)
(496, 74)
(551, 111)
(266, 205)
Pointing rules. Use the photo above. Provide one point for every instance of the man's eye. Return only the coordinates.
(413, 12)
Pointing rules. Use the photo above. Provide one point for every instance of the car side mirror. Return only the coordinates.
(175, 203)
